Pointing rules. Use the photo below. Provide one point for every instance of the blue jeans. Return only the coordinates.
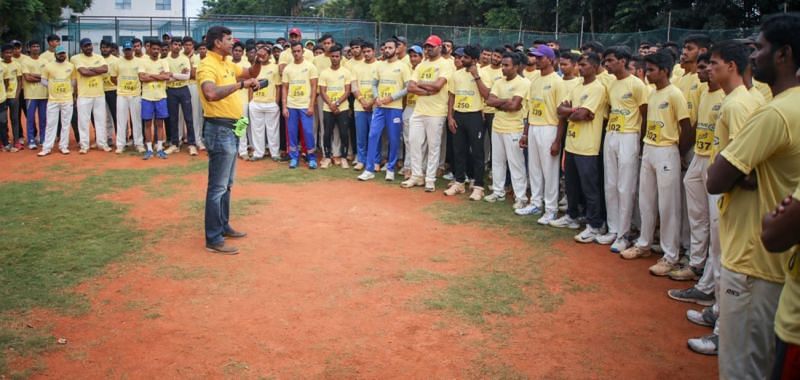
(392, 120)
(36, 106)
(222, 146)
(298, 116)
(363, 121)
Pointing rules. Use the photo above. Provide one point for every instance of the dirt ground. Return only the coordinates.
(325, 287)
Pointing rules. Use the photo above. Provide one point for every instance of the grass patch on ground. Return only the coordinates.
(479, 294)
(239, 207)
(416, 276)
(303, 175)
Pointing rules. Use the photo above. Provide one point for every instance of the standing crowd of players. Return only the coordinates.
(680, 150)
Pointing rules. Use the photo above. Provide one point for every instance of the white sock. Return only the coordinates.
(149, 146)
(160, 145)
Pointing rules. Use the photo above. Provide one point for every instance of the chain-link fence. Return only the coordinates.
(121, 29)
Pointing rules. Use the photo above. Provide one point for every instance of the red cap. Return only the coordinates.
(295, 31)
(434, 41)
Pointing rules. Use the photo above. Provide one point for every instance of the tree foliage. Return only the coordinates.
(20, 18)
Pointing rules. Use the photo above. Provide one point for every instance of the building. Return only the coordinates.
(131, 8)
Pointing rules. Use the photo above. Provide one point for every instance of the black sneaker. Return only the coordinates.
(691, 295)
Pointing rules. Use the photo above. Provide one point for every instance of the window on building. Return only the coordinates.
(122, 4)
(163, 5)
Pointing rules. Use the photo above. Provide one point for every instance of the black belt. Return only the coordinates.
(222, 121)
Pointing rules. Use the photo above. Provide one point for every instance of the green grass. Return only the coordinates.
(302, 175)
(417, 276)
(476, 295)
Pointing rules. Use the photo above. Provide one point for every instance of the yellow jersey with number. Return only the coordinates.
(14, 71)
(108, 85)
(268, 94)
(298, 79)
(34, 90)
(88, 86)
(364, 74)
(545, 95)
(127, 74)
(626, 96)
(734, 112)
(466, 96)
(489, 76)
(176, 66)
(583, 137)
(429, 72)
(768, 147)
(707, 116)
(334, 82)
(510, 121)
(665, 108)
(59, 78)
(155, 90)
(392, 77)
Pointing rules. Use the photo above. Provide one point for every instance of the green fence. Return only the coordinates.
(121, 29)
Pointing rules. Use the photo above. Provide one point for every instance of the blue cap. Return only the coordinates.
(542, 51)
(60, 49)
(416, 49)
(459, 52)
(127, 45)
(85, 41)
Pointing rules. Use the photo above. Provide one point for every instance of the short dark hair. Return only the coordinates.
(645, 43)
(392, 40)
(367, 45)
(701, 40)
(135, 40)
(620, 52)
(670, 44)
(662, 60)
(486, 48)
(500, 50)
(705, 57)
(356, 42)
(732, 51)
(53, 37)
(33, 42)
(215, 33)
(539, 42)
(450, 41)
(638, 62)
(296, 43)
(594, 46)
(238, 44)
(325, 37)
(335, 48)
(187, 39)
(472, 51)
(515, 58)
(782, 30)
(592, 57)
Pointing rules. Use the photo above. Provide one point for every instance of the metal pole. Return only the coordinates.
(116, 29)
(669, 24)
(469, 36)
(580, 39)
(556, 19)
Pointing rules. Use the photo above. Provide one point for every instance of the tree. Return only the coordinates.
(20, 18)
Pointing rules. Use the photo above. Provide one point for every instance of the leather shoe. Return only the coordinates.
(222, 249)
(234, 234)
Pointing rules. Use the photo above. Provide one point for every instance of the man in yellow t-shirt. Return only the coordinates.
(53, 41)
(286, 57)
(669, 135)
(178, 95)
(12, 72)
(546, 93)
(627, 97)
(582, 121)
(125, 75)
(490, 74)
(197, 110)
(154, 74)
(429, 83)
(334, 88)
(568, 63)
(365, 71)
(239, 59)
(59, 77)
(389, 86)
(467, 93)
(265, 114)
(508, 96)
(299, 92)
(322, 62)
(414, 58)
(755, 172)
(219, 80)
(91, 102)
(35, 94)
(110, 90)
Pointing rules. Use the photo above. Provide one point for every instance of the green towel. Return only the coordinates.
(241, 126)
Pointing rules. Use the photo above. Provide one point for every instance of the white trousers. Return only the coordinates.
(694, 183)
(88, 107)
(747, 308)
(197, 115)
(543, 167)
(129, 107)
(407, 113)
(506, 154)
(709, 282)
(265, 124)
(621, 168)
(425, 131)
(660, 196)
(54, 111)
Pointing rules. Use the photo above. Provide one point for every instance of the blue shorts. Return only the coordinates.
(152, 108)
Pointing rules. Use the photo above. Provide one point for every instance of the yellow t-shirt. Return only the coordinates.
(14, 71)
(334, 82)
(48, 56)
(429, 72)
(127, 74)
(88, 87)
(689, 84)
(156, 90)
(764, 89)
(707, 116)
(321, 62)
(510, 122)
(757, 96)
(108, 85)
(625, 96)
(546, 94)
(769, 145)
(467, 97)
(489, 76)
(787, 318)
(34, 90)
(665, 108)
(213, 68)
(570, 84)
(286, 56)
(392, 77)
(59, 78)
(606, 79)
(298, 78)
(531, 75)
(363, 73)
(176, 66)
(677, 73)
(736, 109)
(583, 137)
(194, 60)
(244, 93)
(268, 94)
(4, 74)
